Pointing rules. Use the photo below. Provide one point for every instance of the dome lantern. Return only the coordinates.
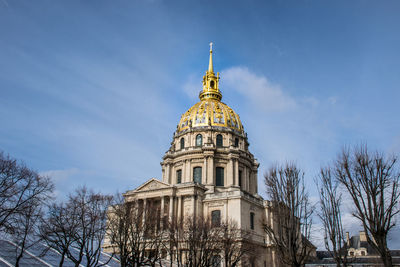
(210, 82)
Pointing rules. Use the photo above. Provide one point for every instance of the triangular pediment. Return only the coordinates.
(152, 184)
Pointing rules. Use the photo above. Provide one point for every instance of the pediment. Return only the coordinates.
(152, 184)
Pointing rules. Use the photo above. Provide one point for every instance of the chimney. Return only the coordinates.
(363, 236)
(348, 239)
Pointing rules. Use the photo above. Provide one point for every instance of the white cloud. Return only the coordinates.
(258, 89)
(192, 86)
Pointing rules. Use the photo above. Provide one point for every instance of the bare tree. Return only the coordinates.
(201, 240)
(90, 210)
(23, 193)
(133, 233)
(58, 229)
(234, 243)
(173, 243)
(76, 229)
(372, 181)
(20, 187)
(25, 230)
(292, 214)
(331, 217)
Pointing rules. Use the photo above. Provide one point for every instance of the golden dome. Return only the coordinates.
(210, 111)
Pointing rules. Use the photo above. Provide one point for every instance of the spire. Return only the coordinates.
(210, 64)
(210, 82)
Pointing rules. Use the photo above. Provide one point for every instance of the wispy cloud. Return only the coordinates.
(258, 89)
(60, 175)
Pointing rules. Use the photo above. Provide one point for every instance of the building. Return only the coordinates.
(209, 171)
(359, 253)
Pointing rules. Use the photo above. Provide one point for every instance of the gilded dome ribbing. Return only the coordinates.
(210, 111)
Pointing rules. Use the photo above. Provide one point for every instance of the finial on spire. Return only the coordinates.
(210, 64)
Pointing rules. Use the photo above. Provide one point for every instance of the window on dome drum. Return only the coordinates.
(236, 142)
(219, 141)
(252, 220)
(240, 179)
(179, 176)
(182, 143)
(197, 174)
(219, 176)
(199, 140)
(216, 218)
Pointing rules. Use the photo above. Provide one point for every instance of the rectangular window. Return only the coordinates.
(251, 220)
(197, 175)
(179, 176)
(240, 179)
(219, 176)
(216, 218)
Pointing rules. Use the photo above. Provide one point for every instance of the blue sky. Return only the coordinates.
(91, 91)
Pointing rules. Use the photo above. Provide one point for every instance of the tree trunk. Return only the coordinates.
(387, 259)
(62, 259)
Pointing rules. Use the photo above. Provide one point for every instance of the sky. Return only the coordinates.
(92, 90)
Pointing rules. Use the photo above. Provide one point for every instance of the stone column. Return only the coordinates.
(171, 208)
(168, 173)
(144, 211)
(205, 176)
(183, 179)
(162, 212)
(210, 174)
(229, 172)
(236, 177)
(179, 215)
(190, 172)
(194, 202)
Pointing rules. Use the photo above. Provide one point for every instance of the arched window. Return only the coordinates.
(197, 174)
(182, 143)
(252, 220)
(216, 218)
(199, 140)
(236, 142)
(219, 176)
(212, 84)
(179, 176)
(219, 141)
